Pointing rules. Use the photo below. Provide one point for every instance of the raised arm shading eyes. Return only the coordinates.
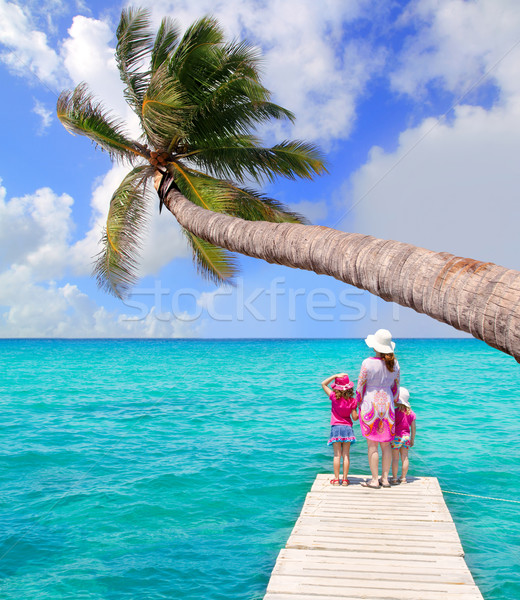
(325, 383)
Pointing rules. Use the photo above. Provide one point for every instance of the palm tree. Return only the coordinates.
(198, 99)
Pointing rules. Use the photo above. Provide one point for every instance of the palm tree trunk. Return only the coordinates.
(480, 298)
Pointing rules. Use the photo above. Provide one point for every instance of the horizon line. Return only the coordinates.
(170, 339)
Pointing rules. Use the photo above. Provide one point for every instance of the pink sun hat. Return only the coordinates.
(342, 383)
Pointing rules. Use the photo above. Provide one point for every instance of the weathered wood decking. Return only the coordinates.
(352, 543)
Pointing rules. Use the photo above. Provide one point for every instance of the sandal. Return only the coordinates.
(369, 485)
(344, 482)
(394, 481)
(385, 485)
(335, 482)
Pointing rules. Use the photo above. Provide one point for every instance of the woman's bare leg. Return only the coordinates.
(373, 461)
(385, 461)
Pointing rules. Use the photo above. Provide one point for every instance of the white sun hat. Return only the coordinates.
(404, 397)
(381, 341)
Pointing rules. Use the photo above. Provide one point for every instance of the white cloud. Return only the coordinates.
(50, 311)
(88, 56)
(28, 48)
(450, 188)
(35, 232)
(457, 42)
(45, 115)
(35, 237)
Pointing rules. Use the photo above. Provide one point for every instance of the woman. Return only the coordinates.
(377, 391)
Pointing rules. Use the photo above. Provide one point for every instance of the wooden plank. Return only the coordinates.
(423, 528)
(375, 524)
(297, 586)
(371, 545)
(357, 594)
(375, 586)
(389, 534)
(390, 575)
(380, 562)
(351, 542)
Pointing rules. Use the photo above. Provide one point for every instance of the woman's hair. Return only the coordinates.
(403, 408)
(344, 393)
(389, 360)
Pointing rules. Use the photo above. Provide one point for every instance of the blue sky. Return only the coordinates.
(416, 104)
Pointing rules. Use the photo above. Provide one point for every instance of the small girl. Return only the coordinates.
(343, 410)
(404, 436)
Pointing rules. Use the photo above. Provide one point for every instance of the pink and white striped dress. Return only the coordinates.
(377, 392)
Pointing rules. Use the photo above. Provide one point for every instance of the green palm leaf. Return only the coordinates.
(223, 118)
(165, 43)
(225, 197)
(80, 114)
(252, 206)
(213, 263)
(227, 69)
(240, 158)
(201, 189)
(164, 111)
(195, 58)
(117, 264)
(134, 44)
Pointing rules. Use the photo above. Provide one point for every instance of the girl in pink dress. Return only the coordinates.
(377, 391)
(343, 410)
(404, 436)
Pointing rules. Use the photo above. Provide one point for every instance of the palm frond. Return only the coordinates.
(164, 110)
(81, 114)
(225, 197)
(165, 43)
(194, 57)
(296, 158)
(134, 44)
(201, 189)
(224, 118)
(251, 205)
(231, 65)
(116, 267)
(213, 263)
(239, 158)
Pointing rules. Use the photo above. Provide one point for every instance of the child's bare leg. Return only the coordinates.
(337, 459)
(373, 461)
(386, 460)
(405, 463)
(395, 464)
(346, 459)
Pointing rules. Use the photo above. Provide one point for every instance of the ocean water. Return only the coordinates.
(176, 469)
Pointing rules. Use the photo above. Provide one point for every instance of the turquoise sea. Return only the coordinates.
(151, 469)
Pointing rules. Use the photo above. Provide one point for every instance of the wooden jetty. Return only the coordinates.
(350, 542)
